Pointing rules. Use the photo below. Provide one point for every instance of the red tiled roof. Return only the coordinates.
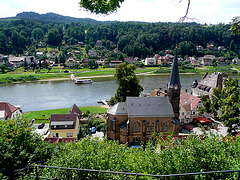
(202, 120)
(59, 139)
(52, 139)
(186, 98)
(8, 108)
(75, 110)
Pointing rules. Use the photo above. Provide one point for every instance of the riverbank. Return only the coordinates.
(30, 76)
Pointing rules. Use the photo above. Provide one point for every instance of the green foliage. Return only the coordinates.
(18, 79)
(161, 157)
(235, 25)
(92, 64)
(102, 7)
(19, 147)
(227, 101)
(128, 83)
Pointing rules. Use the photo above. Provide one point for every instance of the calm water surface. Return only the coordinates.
(62, 94)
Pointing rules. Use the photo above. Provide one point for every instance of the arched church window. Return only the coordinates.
(137, 126)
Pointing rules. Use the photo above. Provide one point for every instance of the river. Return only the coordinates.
(63, 94)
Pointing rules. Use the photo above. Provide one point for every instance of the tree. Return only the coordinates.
(19, 147)
(235, 25)
(101, 7)
(227, 102)
(92, 64)
(54, 38)
(128, 83)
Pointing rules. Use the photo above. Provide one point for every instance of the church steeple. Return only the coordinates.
(174, 79)
(174, 87)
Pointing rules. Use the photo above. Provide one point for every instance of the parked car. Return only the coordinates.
(40, 126)
(188, 127)
(93, 130)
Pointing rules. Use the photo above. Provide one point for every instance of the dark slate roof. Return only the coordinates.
(118, 109)
(149, 107)
(123, 125)
(75, 110)
(174, 79)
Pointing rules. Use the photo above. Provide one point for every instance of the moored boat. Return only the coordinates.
(82, 81)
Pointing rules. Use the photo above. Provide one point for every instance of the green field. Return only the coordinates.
(19, 75)
(43, 116)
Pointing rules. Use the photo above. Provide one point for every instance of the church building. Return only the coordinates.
(135, 120)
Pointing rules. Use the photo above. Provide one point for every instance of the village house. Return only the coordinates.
(188, 107)
(52, 54)
(66, 125)
(221, 61)
(236, 60)
(99, 44)
(193, 61)
(135, 120)
(39, 54)
(130, 60)
(150, 61)
(221, 48)
(210, 46)
(114, 63)
(199, 48)
(206, 85)
(16, 61)
(70, 62)
(207, 60)
(101, 62)
(163, 60)
(9, 111)
(92, 53)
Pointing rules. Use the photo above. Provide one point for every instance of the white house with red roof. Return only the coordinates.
(188, 107)
(8, 111)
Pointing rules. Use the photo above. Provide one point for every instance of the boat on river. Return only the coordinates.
(80, 81)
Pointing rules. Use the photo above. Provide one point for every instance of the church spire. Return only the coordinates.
(174, 87)
(174, 79)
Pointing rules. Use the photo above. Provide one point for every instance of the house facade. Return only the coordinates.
(9, 111)
(150, 61)
(188, 107)
(92, 53)
(66, 125)
(207, 60)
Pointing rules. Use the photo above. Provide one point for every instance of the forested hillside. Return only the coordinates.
(131, 38)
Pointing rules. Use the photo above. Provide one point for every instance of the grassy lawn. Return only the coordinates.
(43, 116)
(43, 74)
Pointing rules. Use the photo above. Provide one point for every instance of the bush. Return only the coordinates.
(19, 147)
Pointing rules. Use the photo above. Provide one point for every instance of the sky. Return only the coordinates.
(201, 11)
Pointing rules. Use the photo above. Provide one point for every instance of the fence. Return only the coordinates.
(125, 174)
